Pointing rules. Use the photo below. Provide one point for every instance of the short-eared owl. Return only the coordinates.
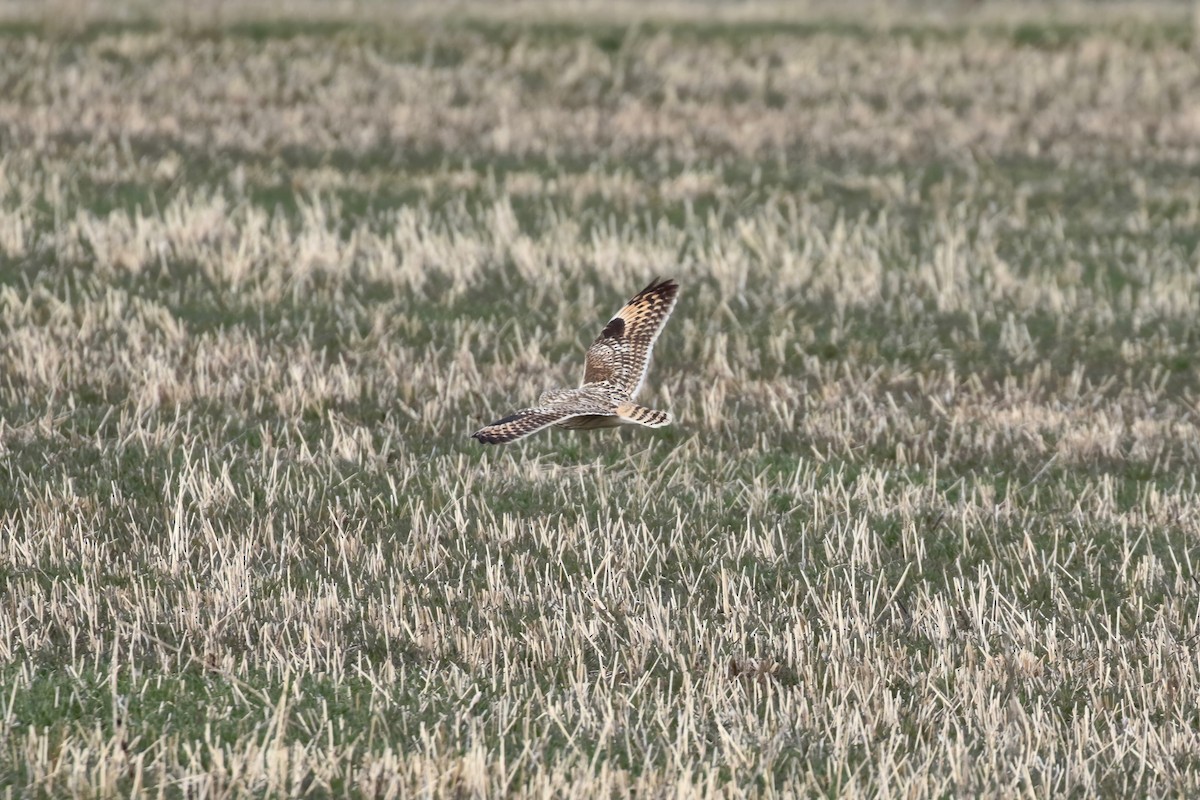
(614, 369)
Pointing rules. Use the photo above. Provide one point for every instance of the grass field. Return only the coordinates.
(926, 522)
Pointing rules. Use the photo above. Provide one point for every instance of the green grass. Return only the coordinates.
(925, 519)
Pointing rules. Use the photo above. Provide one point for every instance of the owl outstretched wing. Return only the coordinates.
(621, 353)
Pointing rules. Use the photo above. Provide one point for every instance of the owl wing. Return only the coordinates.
(621, 353)
(520, 424)
(531, 420)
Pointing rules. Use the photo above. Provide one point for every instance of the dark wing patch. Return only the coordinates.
(615, 329)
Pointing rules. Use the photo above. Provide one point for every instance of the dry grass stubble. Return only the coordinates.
(926, 524)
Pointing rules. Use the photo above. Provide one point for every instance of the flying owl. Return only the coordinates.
(614, 369)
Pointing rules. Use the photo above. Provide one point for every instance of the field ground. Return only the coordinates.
(927, 522)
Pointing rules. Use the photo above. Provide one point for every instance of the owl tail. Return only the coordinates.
(651, 418)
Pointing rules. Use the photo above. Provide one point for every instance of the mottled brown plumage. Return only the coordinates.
(614, 369)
